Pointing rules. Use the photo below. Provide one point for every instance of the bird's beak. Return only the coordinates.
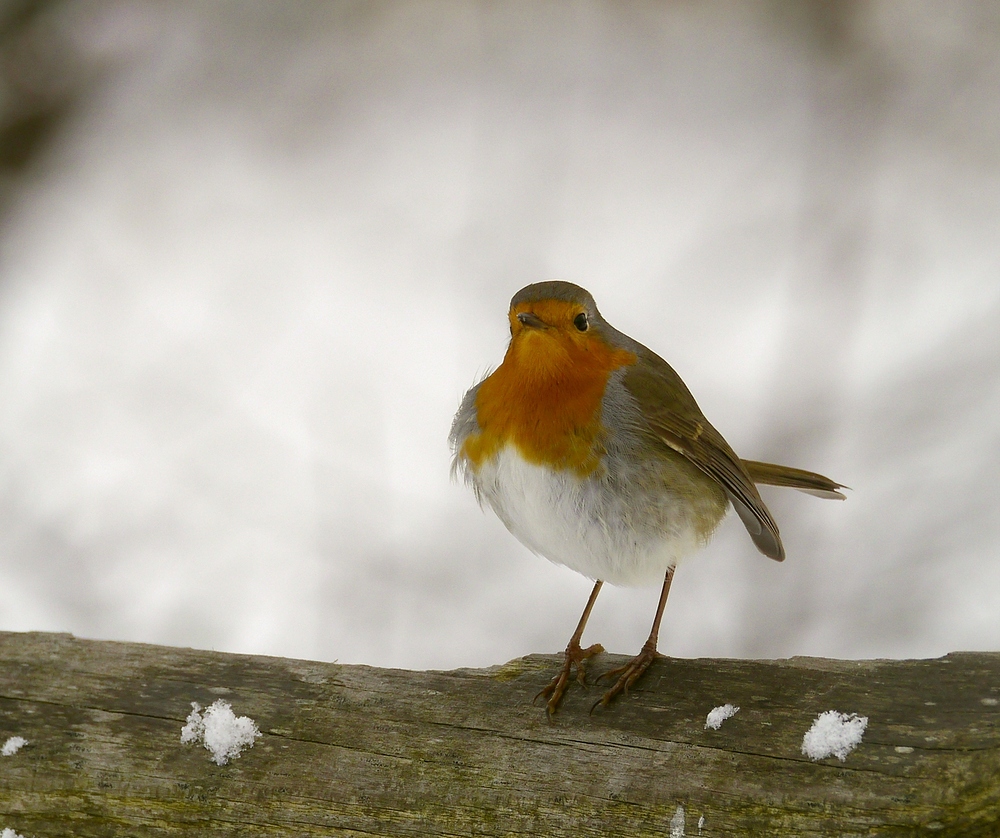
(532, 320)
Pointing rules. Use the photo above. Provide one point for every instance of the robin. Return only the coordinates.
(595, 455)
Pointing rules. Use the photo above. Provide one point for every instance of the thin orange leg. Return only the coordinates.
(633, 670)
(574, 656)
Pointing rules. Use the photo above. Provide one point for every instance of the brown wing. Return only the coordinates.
(674, 418)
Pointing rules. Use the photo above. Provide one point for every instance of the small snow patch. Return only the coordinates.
(719, 714)
(834, 734)
(677, 823)
(221, 731)
(12, 746)
(9, 833)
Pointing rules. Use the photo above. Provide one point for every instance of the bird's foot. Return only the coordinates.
(628, 674)
(574, 656)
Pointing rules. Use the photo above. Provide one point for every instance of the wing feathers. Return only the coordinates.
(675, 419)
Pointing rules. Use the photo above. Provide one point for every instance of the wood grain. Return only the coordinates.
(354, 750)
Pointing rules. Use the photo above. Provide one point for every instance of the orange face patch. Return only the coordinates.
(545, 398)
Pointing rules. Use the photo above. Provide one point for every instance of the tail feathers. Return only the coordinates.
(769, 474)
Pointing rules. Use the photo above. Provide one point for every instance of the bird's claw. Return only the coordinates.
(627, 675)
(574, 656)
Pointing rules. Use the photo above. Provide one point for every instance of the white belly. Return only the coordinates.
(625, 536)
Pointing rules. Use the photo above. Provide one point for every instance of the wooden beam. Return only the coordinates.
(354, 750)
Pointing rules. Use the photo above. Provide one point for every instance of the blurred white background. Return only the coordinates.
(253, 254)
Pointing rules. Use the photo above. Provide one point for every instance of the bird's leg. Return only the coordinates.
(574, 656)
(633, 670)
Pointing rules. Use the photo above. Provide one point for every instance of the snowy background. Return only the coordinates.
(253, 254)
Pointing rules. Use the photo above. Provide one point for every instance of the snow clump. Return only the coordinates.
(13, 745)
(221, 731)
(834, 734)
(719, 714)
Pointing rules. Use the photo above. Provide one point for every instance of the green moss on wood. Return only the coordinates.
(356, 750)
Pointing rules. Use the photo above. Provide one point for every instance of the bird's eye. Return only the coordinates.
(581, 322)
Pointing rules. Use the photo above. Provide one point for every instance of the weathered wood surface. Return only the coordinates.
(353, 750)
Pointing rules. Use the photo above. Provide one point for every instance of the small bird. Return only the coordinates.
(595, 455)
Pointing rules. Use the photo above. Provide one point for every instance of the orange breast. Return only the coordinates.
(545, 399)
